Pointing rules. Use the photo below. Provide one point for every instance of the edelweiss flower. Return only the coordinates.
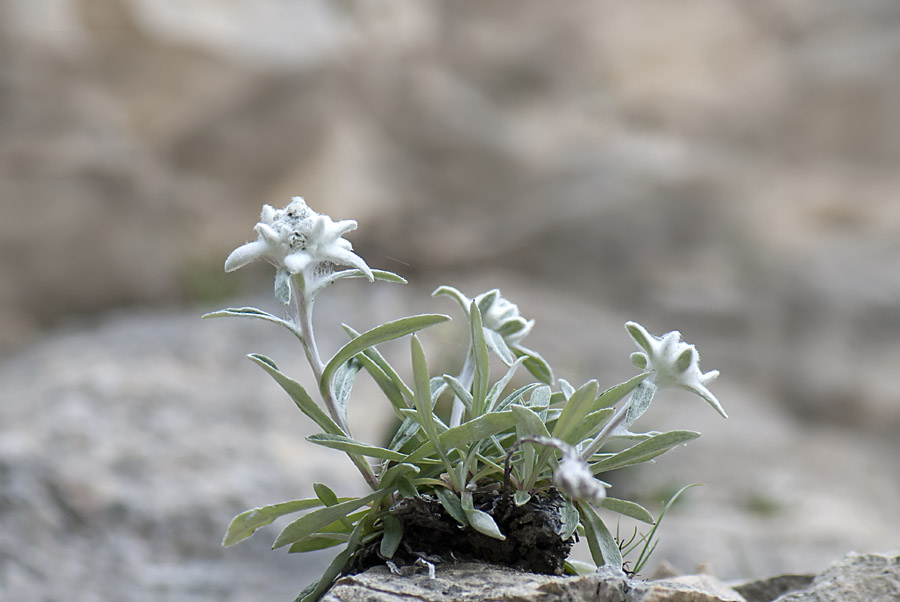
(574, 478)
(297, 240)
(672, 363)
(502, 316)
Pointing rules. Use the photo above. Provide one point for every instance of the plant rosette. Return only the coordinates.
(512, 476)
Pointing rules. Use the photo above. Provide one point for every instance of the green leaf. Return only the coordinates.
(520, 498)
(379, 334)
(450, 502)
(575, 410)
(567, 389)
(640, 401)
(245, 524)
(535, 364)
(315, 591)
(485, 301)
(313, 521)
(393, 535)
(384, 382)
(408, 429)
(626, 508)
(482, 362)
(424, 408)
(603, 546)
(497, 344)
(396, 473)
(576, 567)
(322, 542)
(247, 312)
(484, 523)
(406, 487)
(611, 396)
(346, 444)
(644, 451)
(570, 520)
(590, 426)
(374, 355)
(479, 520)
(459, 391)
(528, 420)
(465, 434)
(516, 396)
(455, 294)
(343, 384)
(298, 394)
(637, 333)
(500, 385)
(378, 274)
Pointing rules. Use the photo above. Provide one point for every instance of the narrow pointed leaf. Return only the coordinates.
(497, 344)
(246, 312)
(500, 385)
(313, 521)
(482, 361)
(379, 334)
(535, 364)
(465, 434)
(455, 294)
(640, 401)
(314, 592)
(626, 508)
(578, 406)
(298, 394)
(343, 385)
(373, 354)
(611, 396)
(450, 502)
(603, 546)
(313, 544)
(245, 524)
(520, 498)
(346, 444)
(459, 391)
(484, 523)
(393, 535)
(644, 451)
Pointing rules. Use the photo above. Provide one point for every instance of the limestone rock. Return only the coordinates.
(766, 590)
(855, 578)
(478, 582)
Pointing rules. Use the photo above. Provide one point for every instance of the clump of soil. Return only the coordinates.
(532, 531)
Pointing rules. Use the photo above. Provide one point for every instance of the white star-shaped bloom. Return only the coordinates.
(672, 363)
(298, 240)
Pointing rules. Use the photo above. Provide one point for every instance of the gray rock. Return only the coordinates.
(855, 578)
(478, 582)
(766, 590)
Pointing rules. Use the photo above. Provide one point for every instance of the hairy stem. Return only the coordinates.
(465, 378)
(302, 318)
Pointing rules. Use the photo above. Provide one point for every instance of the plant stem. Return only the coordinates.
(465, 378)
(605, 433)
(302, 318)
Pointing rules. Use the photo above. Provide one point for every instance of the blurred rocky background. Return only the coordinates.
(725, 168)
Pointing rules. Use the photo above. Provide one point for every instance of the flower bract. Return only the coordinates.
(297, 240)
(673, 363)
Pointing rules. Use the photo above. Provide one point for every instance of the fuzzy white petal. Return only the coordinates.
(244, 254)
(297, 262)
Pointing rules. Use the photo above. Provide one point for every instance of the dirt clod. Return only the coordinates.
(532, 531)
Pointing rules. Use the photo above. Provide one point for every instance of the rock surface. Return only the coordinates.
(856, 578)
